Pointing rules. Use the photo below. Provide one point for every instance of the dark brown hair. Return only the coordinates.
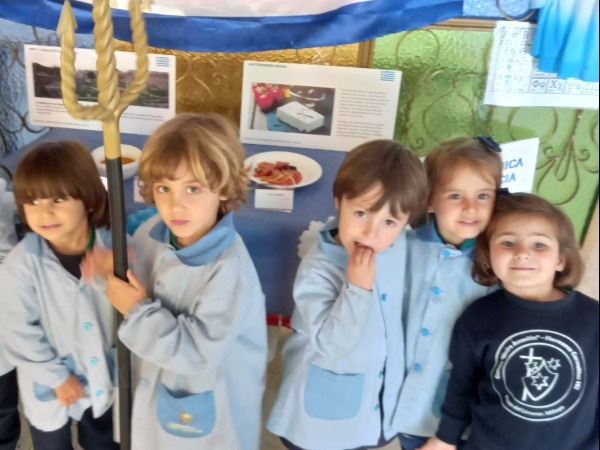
(61, 169)
(209, 144)
(530, 204)
(398, 170)
(446, 156)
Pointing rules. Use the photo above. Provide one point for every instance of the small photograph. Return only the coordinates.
(291, 108)
(46, 83)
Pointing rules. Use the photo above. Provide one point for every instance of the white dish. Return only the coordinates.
(127, 151)
(310, 169)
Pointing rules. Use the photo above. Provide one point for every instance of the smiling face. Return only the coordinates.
(62, 221)
(463, 203)
(525, 256)
(189, 209)
(358, 226)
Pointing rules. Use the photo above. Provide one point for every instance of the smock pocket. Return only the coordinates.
(440, 393)
(332, 396)
(185, 415)
(45, 393)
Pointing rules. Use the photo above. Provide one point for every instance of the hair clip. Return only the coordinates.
(490, 143)
(502, 192)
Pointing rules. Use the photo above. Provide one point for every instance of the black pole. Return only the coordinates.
(119, 247)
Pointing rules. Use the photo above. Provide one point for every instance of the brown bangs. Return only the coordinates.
(45, 172)
(397, 170)
(61, 169)
(209, 145)
(161, 165)
(163, 161)
(36, 182)
(530, 205)
(443, 159)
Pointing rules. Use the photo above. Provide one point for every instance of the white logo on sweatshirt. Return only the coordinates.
(539, 374)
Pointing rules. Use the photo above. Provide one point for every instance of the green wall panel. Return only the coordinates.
(443, 81)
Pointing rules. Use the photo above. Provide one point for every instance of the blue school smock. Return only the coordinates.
(8, 239)
(54, 326)
(439, 286)
(200, 342)
(346, 348)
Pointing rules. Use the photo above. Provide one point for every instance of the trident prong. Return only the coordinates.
(111, 103)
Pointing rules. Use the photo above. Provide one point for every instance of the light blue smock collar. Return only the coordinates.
(334, 251)
(34, 243)
(428, 232)
(205, 249)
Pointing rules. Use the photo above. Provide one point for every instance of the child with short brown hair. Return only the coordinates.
(195, 318)
(463, 175)
(343, 365)
(212, 148)
(59, 331)
(525, 358)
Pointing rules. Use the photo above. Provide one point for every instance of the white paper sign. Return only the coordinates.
(137, 195)
(323, 107)
(519, 158)
(514, 78)
(155, 104)
(275, 199)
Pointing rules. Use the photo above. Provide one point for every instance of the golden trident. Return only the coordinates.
(111, 104)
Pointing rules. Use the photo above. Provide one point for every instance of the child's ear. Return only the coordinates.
(562, 261)
(223, 198)
(337, 203)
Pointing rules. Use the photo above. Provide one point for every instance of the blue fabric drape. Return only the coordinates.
(566, 40)
(353, 23)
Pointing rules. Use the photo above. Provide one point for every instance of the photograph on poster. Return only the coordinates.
(46, 84)
(154, 105)
(316, 106)
(292, 108)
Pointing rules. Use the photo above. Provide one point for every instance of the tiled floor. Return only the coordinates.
(270, 442)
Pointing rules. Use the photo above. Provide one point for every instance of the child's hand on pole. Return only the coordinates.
(124, 295)
(70, 391)
(361, 267)
(435, 443)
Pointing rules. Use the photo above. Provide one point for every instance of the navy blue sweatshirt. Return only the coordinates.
(525, 374)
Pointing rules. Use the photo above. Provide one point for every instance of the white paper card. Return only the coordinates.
(155, 105)
(322, 107)
(514, 78)
(519, 158)
(274, 199)
(137, 196)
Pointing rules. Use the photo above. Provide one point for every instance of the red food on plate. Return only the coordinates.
(263, 169)
(280, 173)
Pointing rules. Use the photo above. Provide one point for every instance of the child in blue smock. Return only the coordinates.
(343, 365)
(58, 331)
(194, 310)
(10, 422)
(463, 175)
(525, 357)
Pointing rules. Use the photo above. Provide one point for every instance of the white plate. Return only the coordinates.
(310, 169)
